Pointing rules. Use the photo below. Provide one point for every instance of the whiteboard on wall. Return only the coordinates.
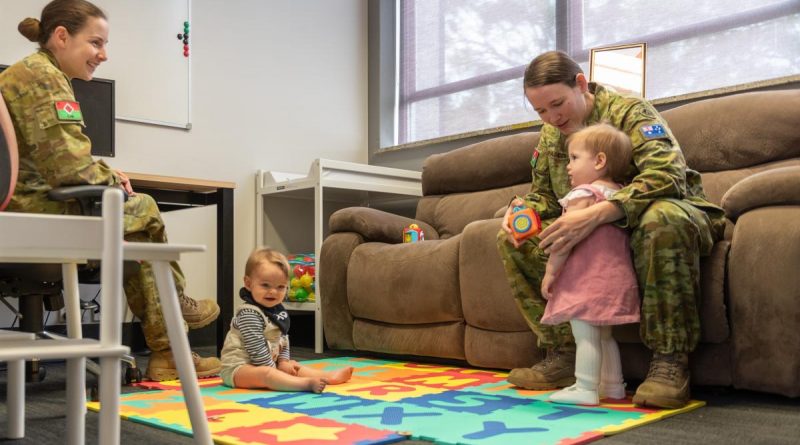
(145, 57)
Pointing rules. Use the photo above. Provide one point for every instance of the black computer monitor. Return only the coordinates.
(97, 106)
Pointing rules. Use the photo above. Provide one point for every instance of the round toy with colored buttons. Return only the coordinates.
(524, 223)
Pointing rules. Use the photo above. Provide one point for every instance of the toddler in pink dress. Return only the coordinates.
(593, 286)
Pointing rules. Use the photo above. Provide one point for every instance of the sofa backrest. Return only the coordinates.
(725, 138)
(472, 182)
(738, 131)
(729, 138)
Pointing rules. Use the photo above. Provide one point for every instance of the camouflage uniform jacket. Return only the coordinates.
(658, 169)
(52, 152)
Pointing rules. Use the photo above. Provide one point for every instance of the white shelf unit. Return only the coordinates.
(292, 210)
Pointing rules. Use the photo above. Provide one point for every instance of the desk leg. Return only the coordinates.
(224, 263)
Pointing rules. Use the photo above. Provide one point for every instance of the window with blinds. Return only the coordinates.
(461, 61)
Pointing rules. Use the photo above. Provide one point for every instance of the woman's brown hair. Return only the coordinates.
(71, 14)
(549, 68)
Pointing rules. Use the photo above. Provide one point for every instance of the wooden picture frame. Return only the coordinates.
(621, 67)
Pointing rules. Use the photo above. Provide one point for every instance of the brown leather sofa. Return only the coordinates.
(447, 296)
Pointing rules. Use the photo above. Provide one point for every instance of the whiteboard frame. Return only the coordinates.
(188, 125)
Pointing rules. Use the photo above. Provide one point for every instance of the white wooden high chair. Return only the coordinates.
(70, 240)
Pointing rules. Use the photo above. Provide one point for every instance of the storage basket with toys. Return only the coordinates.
(301, 282)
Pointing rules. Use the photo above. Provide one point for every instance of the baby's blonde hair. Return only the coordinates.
(266, 255)
(605, 138)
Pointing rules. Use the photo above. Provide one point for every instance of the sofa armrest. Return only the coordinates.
(376, 225)
(500, 212)
(763, 303)
(780, 186)
(332, 277)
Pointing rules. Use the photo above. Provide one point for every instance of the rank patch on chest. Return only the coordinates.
(534, 158)
(68, 111)
(654, 131)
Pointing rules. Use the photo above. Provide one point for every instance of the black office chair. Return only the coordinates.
(39, 286)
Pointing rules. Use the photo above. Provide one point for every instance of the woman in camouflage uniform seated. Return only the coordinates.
(662, 205)
(55, 152)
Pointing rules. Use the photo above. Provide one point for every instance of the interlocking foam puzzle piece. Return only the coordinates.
(449, 380)
(309, 431)
(386, 390)
(207, 382)
(652, 415)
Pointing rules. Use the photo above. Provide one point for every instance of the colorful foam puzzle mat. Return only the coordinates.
(386, 402)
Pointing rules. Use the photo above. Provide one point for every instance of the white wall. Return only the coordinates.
(276, 84)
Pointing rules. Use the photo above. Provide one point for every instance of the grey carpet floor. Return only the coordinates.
(730, 417)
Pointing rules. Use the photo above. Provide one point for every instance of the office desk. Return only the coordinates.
(174, 193)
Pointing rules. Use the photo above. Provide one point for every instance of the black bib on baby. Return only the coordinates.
(276, 314)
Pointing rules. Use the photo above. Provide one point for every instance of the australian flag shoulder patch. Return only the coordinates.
(653, 131)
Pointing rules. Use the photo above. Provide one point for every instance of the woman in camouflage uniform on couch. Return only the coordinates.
(662, 205)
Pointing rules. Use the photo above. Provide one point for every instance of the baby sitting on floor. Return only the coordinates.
(256, 350)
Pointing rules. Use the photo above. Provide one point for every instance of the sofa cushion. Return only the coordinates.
(433, 340)
(414, 283)
(487, 302)
(505, 350)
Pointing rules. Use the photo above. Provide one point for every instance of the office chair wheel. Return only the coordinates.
(133, 375)
(35, 372)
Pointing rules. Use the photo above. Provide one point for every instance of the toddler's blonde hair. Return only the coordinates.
(605, 138)
(266, 255)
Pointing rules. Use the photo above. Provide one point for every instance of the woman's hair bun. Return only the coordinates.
(31, 28)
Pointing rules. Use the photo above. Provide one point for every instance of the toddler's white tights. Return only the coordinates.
(598, 371)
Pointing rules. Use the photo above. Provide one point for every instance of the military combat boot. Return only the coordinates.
(667, 383)
(557, 370)
(198, 313)
(162, 366)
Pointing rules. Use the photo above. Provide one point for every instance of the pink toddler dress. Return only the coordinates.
(597, 283)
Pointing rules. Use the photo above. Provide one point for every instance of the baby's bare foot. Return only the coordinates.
(340, 376)
(316, 384)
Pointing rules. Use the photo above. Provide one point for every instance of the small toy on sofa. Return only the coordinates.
(524, 223)
(301, 283)
(412, 234)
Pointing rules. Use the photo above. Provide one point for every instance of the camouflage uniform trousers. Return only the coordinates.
(143, 223)
(667, 246)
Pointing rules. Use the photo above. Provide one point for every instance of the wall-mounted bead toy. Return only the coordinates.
(185, 37)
